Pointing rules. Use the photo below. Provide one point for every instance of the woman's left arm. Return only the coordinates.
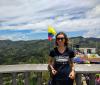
(72, 72)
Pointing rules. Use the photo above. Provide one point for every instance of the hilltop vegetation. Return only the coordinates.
(36, 51)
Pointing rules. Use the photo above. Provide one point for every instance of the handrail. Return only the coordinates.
(87, 68)
(79, 68)
(23, 68)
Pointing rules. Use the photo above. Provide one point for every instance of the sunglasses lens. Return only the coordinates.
(60, 39)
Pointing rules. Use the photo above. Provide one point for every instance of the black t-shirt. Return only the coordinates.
(61, 62)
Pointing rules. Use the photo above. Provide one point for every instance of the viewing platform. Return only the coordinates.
(80, 69)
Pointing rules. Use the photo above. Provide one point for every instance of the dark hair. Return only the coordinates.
(65, 36)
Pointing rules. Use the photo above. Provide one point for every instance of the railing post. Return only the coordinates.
(1, 80)
(92, 79)
(78, 79)
(26, 75)
(14, 82)
(39, 78)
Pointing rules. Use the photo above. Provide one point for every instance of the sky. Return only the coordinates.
(29, 19)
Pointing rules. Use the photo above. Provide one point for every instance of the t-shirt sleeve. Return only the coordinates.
(72, 55)
(51, 54)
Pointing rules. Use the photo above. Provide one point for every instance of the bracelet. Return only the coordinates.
(52, 69)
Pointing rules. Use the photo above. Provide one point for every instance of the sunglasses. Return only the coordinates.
(62, 39)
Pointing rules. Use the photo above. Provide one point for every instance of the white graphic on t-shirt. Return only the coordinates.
(62, 58)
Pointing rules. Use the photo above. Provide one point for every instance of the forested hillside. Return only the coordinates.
(36, 51)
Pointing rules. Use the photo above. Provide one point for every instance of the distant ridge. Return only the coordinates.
(37, 51)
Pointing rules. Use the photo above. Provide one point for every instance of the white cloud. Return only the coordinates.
(94, 13)
(3, 38)
(93, 33)
(70, 15)
(80, 24)
(17, 36)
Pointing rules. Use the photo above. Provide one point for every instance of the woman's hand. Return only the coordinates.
(54, 71)
(72, 74)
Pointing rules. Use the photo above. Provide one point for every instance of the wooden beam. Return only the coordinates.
(79, 68)
(39, 78)
(26, 80)
(92, 79)
(14, 82)
(1, 79)
(78, 79)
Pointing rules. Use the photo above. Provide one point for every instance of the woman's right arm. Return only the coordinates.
(50, 65)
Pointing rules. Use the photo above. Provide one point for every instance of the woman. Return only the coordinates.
(61, 62)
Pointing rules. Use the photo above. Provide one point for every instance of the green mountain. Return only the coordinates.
(37, 51)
